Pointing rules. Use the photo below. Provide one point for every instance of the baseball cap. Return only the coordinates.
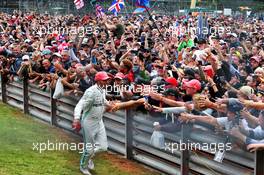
(260, 92)
(234, 35)
(247, 90)
(193, 84)
(101, 76)
(256, 58)
(25, 57)
(119, 75)
(172, 81)
(27, 41)
(222, 42)
(46, 52)
(57, 54)
(238, 54)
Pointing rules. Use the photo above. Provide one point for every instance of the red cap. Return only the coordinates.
(209, 71)
(194, 84)
(172, 81)
(101, 76)
(120, 76)
(256, 58)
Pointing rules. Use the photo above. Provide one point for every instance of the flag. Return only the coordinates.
(99, 11)
(30, 17)
(79, 4)
(142, 6)
(116, 6)
(203, 26)
(142, 3)
(139, 10)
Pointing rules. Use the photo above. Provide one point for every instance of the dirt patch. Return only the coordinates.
(16, 113)
(126, 165)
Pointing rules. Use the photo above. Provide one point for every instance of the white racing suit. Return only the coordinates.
(92, 104)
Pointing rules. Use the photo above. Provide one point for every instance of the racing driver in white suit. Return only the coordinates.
(92, 106)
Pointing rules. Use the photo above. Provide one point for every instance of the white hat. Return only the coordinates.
(25, 57)
(234, 35)
(246, 90)
(222, 42)
(57, 54)
(27, 41)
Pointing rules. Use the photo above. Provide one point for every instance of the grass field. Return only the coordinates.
(18, 132)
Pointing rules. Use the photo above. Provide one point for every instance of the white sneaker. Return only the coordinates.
(85, 171)
(90, 164)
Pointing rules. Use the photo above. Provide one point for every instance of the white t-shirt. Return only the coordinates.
(224, 122)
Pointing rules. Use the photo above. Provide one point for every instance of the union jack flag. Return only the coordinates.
(99, 11)
(116, 6)
(79, 4)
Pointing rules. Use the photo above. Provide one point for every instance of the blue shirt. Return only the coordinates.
(51, 69)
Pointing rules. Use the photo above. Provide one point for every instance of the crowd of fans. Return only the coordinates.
(215, 78)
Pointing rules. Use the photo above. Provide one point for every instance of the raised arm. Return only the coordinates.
(126, 105)
(170, 102)
(205, 119)
(255, 105)
(250, 118)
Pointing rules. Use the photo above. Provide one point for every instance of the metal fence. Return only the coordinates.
(129, 135)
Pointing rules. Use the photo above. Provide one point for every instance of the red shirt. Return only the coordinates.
(130, 76)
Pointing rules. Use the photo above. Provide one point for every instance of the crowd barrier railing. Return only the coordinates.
(129, 134)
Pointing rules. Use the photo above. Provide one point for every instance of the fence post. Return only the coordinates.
(129, 134)
(3, 87)
(25, 95)
(53, 108)
(185, 157)
(259, 159)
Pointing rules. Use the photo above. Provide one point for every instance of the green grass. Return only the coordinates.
(18, 132)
